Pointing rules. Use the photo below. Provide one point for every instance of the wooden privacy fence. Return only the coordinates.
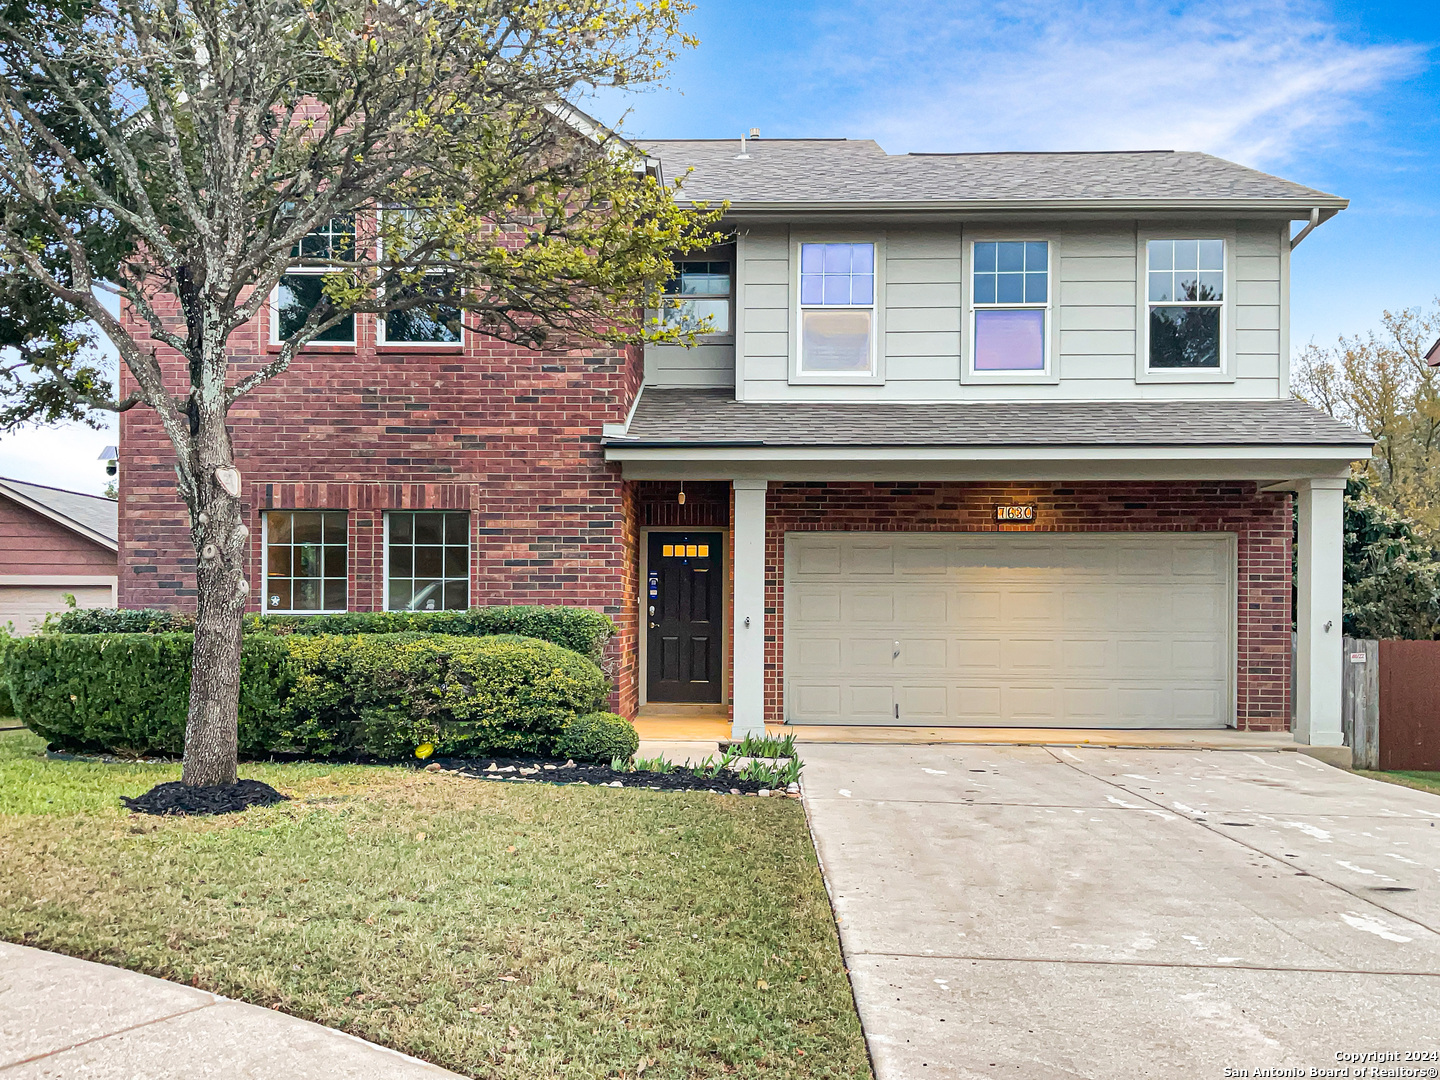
(1390, 710)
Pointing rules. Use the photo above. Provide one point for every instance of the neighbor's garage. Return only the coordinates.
(1127, 630)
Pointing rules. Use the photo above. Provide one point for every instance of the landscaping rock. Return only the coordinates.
(177, 798)
(434, 766)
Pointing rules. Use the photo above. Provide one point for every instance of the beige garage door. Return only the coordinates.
(25, 606)
(1017, 629)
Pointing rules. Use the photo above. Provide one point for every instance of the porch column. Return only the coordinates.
(748, 649)
(1319, 554)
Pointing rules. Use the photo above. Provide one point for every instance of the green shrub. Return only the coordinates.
(321, 695)
(580, 629)
(120, 621)
(386, 694)
(598, 736)
(129, 693)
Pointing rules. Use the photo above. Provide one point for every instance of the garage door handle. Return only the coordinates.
(896, 655)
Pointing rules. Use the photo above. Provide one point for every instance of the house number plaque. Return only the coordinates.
(1022, 515)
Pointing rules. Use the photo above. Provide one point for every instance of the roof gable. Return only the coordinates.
(92, 516)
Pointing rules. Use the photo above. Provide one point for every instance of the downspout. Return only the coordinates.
(1314, 221)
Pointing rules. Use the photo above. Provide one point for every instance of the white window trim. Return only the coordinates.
(1144, 373)
(265, 608)
(317, 271)
(469, 558)
(876, 375)
(1050, 373)
(380, 339)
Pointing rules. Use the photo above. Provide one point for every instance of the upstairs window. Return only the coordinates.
(1185, 280)
(305, 561)
(302, 287)
(436, 323)
(699, 290)
(837, 309)
(427, 560)
(1011, 301)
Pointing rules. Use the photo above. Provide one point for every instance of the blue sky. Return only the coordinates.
(1344, 97)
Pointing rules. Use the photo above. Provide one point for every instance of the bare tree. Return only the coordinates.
(183, 154)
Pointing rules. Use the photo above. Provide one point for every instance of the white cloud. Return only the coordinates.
(64, 456)
(1248, 81)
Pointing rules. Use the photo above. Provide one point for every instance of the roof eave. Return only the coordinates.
(1328, 205)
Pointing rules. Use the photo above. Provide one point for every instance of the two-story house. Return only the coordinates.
(973, 439)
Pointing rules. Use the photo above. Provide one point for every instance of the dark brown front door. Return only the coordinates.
(684, 602)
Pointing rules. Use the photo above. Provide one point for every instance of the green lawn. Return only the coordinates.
(515, 931)
(1422, 781)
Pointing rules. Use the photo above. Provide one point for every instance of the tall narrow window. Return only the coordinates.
(434, 323)
(1011, 298)
(427, 560)
(302, 287)
(305, 561)
(837, 309)
(1186, 284)
(699, 290)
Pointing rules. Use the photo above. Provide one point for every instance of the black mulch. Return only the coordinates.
(178, 798)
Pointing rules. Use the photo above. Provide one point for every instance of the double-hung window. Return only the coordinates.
(437, 322)
(1010, 298)
(837, 310)
(698, 291)
(302, 287)
(305, 561)
(1185, 284)
(427, 560)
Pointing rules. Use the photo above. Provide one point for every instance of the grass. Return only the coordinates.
(1421, 781)
(497, 930)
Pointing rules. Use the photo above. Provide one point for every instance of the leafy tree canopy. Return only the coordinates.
(1392, 579)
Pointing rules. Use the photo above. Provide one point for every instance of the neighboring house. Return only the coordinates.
(1433, 356)
(974, 439)
(53, 542)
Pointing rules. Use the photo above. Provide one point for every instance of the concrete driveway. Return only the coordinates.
(1063, 912)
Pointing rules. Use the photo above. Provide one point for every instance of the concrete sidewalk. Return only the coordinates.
(62, 1017)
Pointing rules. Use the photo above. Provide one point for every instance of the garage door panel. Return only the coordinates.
(977, 654)
(870, 606)
(1093, 630)
(1092, 656)
(1030, 654)
(924, 704)
(919, 655)
(872, 558)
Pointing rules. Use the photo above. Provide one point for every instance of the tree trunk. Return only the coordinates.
(220, 539)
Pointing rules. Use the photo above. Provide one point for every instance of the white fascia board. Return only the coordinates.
(617, 431)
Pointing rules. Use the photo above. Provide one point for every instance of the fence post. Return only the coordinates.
(1360, 701)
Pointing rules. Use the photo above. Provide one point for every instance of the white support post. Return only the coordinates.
(1319, 557)
(748, 653)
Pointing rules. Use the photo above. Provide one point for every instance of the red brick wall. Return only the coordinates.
(509, 434)
(1261, 520)
(31, 543)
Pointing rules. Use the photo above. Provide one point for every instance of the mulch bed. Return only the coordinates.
(519, 770)
(178, 798)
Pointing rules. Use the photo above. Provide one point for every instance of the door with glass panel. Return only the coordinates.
(684, 604)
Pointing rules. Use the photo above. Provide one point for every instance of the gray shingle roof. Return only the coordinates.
(93, 512)
(850, 171)
(715, 418)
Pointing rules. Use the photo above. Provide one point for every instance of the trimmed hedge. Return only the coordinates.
(129, 693)
(580, 629)
(386, 694)
(598, 736)
(381, 695)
